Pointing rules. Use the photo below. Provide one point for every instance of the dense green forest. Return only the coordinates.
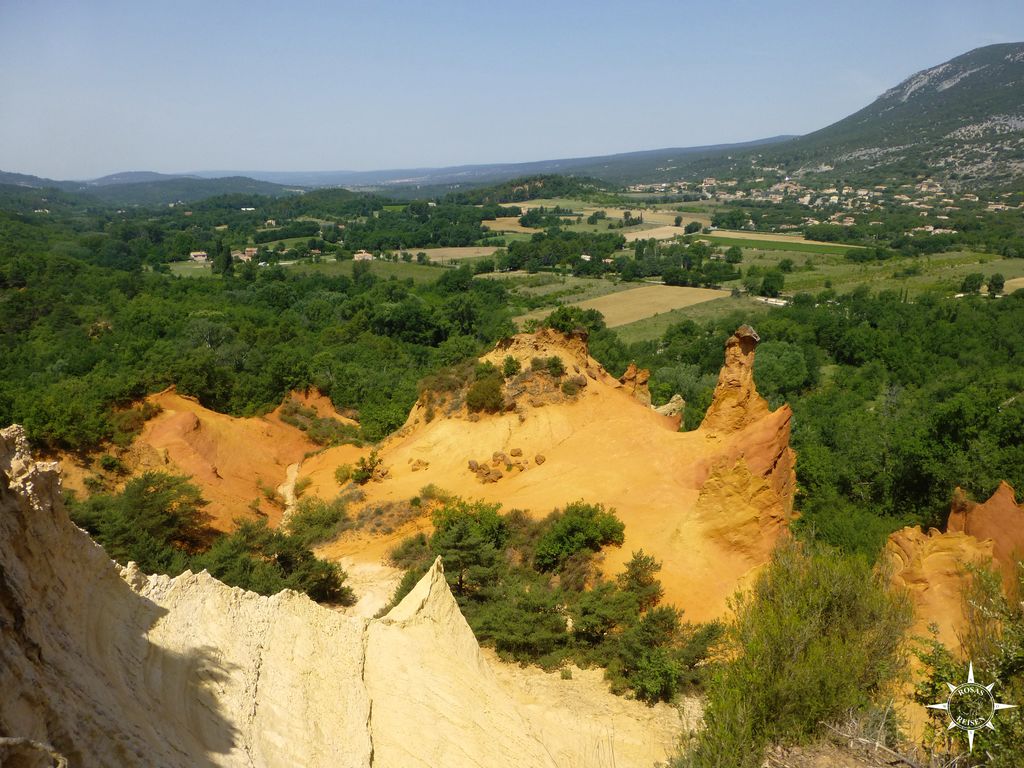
(531, 187)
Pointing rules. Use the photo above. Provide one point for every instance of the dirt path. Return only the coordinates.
(287, 491)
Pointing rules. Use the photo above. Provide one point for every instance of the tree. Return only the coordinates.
(734, 255)
(679, 221)
(510, 367)
(996, 283)
(640, 579)
(772, 283)
(692, 227)
(972, 283)
(468, 537)
(580, 527)
(222, 261)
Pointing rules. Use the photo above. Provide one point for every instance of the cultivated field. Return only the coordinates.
(940, 272)
(631, 305)
(1015, 284)
(743, 308)
(449, 255)
(659, 223)
(771, 237)
(658, 233)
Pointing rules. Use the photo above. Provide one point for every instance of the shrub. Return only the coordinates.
(555, 366)
(343, 473)
(993, 639)
(365, 467)
(485, 394)
(158, 521)
(112, 464)
(552, 365)
(322, 431)
(581, 526)
(316, 521)
(510, 367)
(411, 553)
(819, 635)
(266, 561)
(570, 388)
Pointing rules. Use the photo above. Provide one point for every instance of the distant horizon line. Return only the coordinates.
(247, 173)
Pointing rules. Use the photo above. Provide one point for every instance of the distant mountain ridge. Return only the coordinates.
(150, 188)
(961, 121)
(136, 177)
(619, 168)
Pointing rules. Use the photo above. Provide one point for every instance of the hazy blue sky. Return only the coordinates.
(93, 87)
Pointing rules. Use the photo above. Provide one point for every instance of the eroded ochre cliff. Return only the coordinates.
(936, 566)
(110, 666)
(710, 504)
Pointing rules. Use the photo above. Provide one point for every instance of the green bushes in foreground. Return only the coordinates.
(159, 522)
(993, 640)
(819, 636)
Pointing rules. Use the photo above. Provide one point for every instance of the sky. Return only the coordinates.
(98, 87)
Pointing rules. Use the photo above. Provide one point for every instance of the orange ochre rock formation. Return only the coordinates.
(710, 504)
(935, 566)
(234, 460)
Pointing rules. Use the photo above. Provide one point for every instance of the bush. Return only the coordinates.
(819, 635)
(316, 521)
(486, 395)
(554, 366)
(112, 464)
(365, 468)
(266, 561)
(510, 367)
(581, 526)
(570, 388)
(343, 473)
(993, 640)
(158, 521)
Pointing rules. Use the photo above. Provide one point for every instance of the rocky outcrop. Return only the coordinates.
(634, 382)
(1000, 519)
(934, 568)
(674, 407)
(736, 402)
(109, 666)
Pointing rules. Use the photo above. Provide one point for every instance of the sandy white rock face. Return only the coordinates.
(110, 666)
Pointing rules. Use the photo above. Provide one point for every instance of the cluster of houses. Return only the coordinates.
(840, 204)
(202, 257)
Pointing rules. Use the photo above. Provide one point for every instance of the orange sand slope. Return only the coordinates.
(710, 504)
(233, 460)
